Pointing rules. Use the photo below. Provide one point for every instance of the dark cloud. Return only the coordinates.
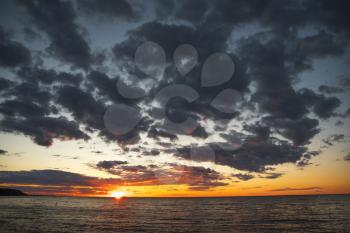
(3, 152)
(273, 67)
(21, 108)
(303, 163)
(305, 159)
(65, 156)
(199, 132)
(261, 132)
(335, 138)
(330, 89)
(257, 156)
(128, 173)
(177, 109)
(37, 75)
(109, 164)
(30, 34)
(347, 157)
(336, 18)
(29, 92)
(325, 108)
(202, 39)
(299, 131)
(243, 177)
(152, 152)
(47, 177)
(160, 34)
(107, 8)
(56, 182)
(340, 123)
(44, 129)
(231, 12)
(252, 155)
(82, 105)
(268, 65)
(97, 152)
(282, 15)
(4, 84)
(106, 86)
(68, 78)
(347, 113)
(131, 137)
(156, 133)
(193, 11)
(317, 189)
(198, 178)
(279, 15)
(28, 109)
(12, 53)
(271, 175)
(57, 20)
(345, 82)
(274, 60)
(89, 110)
(274, 94)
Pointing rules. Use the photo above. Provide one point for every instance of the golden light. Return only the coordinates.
(118, 194)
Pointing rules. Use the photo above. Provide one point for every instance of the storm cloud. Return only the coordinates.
(57, 20)
(12, 53)
(61, 84)
(55, 182)
(193, 176)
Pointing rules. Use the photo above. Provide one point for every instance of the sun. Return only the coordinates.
(118, 194)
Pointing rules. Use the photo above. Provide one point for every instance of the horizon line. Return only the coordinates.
(231, 196)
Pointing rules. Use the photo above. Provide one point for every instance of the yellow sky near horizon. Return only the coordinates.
(328, 174)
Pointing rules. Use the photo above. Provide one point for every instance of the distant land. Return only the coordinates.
(11, 192)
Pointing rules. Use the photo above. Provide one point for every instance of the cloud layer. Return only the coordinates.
(63, 90)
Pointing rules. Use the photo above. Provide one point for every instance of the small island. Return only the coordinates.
(11, 192)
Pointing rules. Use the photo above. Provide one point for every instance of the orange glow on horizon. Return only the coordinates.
(119, 194)
(183, 191)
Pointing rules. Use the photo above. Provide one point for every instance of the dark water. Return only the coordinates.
(237, 214)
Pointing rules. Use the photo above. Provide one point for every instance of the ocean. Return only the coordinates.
(37, 214)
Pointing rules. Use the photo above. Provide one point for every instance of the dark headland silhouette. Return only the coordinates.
(11, 192)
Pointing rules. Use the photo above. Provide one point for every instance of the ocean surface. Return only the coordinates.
(236, 214)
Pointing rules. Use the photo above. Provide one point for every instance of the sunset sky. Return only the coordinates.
(175, 98)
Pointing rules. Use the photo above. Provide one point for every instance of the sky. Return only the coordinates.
(175, 98)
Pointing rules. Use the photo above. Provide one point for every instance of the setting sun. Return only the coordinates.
(176, 115)
(118, 194)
